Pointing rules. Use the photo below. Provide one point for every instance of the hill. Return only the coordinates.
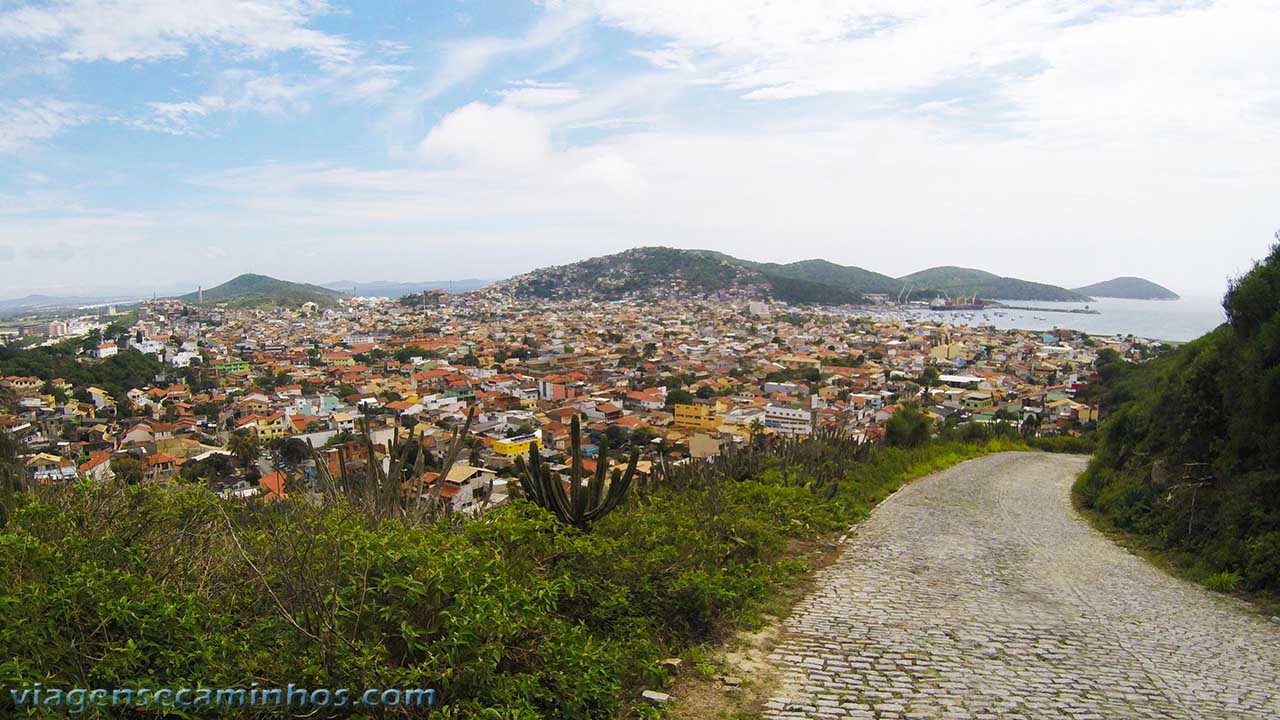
(1189, 456)
(660, 271)
(251, 290)
(383, 288)
(1129, 287)
(854, 279)
(950, 280)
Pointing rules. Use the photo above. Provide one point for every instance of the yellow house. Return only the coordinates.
(517, 446)
(268, 427)
(947, 351)
(697, 417)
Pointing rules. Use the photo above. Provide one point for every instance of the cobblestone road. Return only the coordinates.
(978, 593)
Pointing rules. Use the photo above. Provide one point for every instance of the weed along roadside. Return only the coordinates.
(516, 613)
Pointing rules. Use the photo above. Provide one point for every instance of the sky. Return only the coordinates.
(151, 144)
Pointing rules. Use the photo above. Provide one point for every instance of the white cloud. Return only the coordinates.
(613, 171)
(27, 121)
(1202, 77)
(70, 31)
(125, 30)
(531, 94)
(483, 135)
(769, 49)
(241, 91)
(466, 58)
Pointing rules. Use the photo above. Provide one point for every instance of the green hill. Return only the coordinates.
(660, 271)
(1189, 455)
(853, 279)
(640, 272)
(1132, 288)
(251, 290)
(950, 280)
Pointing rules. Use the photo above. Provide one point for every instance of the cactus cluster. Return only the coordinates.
(579, 506)
(397, 492)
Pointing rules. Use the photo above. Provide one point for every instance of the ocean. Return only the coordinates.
(1173, 320)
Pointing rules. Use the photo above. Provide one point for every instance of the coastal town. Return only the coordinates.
(248, 400)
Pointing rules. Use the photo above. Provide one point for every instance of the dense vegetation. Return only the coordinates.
(1133, 288)
(966, 281)
(848, 278)
(515, 615)
(251, 290)
(639, 272)
(1189, 459)
(805, 292)
(117, 374)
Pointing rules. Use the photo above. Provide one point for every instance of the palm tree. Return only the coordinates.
(244, 445)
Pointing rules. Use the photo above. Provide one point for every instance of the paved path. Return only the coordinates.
(978, 593)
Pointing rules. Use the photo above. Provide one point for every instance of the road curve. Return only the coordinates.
(978, 592)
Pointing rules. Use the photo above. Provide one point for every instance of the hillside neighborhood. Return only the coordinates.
(241, 392)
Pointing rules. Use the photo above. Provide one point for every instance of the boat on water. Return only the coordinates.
(960, 302)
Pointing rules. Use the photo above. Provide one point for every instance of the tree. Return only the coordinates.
(642, 436)
(679, 396)
(617, 435)
(907, 428)
(292, 451)
(127, 470)
(928, 379)
(206, 409)
(59, 395)
(244, 445)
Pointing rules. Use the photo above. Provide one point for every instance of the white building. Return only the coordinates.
(789, 420)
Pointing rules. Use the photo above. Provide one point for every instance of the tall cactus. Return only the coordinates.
(579, 506)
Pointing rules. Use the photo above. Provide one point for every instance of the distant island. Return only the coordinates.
(967, 281)
(1129, 288)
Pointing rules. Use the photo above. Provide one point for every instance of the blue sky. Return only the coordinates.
(157, 145)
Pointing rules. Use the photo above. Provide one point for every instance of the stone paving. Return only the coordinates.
(979, 593)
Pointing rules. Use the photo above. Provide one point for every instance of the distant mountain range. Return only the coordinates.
(31, 303)
(657, 271)
(1129, 287)
(382, 288)
(251, 290)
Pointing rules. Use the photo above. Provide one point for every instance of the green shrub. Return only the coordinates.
(513, 615)
(907, 428)
(1189, 452)
(1222, 582)
(1079, 445)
